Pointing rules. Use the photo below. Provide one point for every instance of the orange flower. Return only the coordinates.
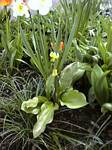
(5, 2)
(61, 45)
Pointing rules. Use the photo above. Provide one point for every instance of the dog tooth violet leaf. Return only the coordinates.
(73, 99)
(31, 106)
(44, 117)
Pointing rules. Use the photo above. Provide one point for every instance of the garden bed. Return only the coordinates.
(55, 75)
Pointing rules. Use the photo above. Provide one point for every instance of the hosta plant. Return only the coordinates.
(59, 92)
(50, 61)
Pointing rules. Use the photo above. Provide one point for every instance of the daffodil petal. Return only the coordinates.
(44, 11)
(43, 6)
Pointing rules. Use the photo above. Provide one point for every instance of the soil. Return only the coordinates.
(83, 125)
(87, 122)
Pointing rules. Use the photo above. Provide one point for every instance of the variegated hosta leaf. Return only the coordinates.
(44, 117)
(31, 106)
(73, 99)
(71, 73)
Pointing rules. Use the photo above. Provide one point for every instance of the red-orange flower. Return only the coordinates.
(61, 45)
(5, 2)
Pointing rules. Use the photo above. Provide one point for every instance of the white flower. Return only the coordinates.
(91, 32)
(43, 6)
(20, 9)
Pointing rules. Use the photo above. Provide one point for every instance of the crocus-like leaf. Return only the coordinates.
(106, 107)
(31, 106)
(100, 84)
(71, 73)
(45, 117)
(73, 99)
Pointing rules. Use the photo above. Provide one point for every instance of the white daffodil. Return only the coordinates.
(20, 8)
(43, 6)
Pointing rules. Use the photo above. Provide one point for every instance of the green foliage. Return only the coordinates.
(44, 110)
(50, 86)
(104, 44)
(87, 39)
(39, 52)
(67, 23)
(106, 107)
(11, 44)
(33, 105)
(45, 117)
(100, 84)
(70, 74)
(73, 99)
(15, 124)
(44, 107)
(58, 86)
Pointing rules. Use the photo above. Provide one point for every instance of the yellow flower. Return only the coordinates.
(20, 8)
(54, 73)
(54, 56)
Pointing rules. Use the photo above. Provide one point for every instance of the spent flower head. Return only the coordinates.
(54, 73)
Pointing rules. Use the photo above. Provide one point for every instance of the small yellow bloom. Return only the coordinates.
(20, 8)
(54, 73)
(54, 56)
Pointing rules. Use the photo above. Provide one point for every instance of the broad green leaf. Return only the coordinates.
(100, 84)
(73, 99)
(31, 106)
(96, 73)
(106, 107)
(45, 117)
(70, 74)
